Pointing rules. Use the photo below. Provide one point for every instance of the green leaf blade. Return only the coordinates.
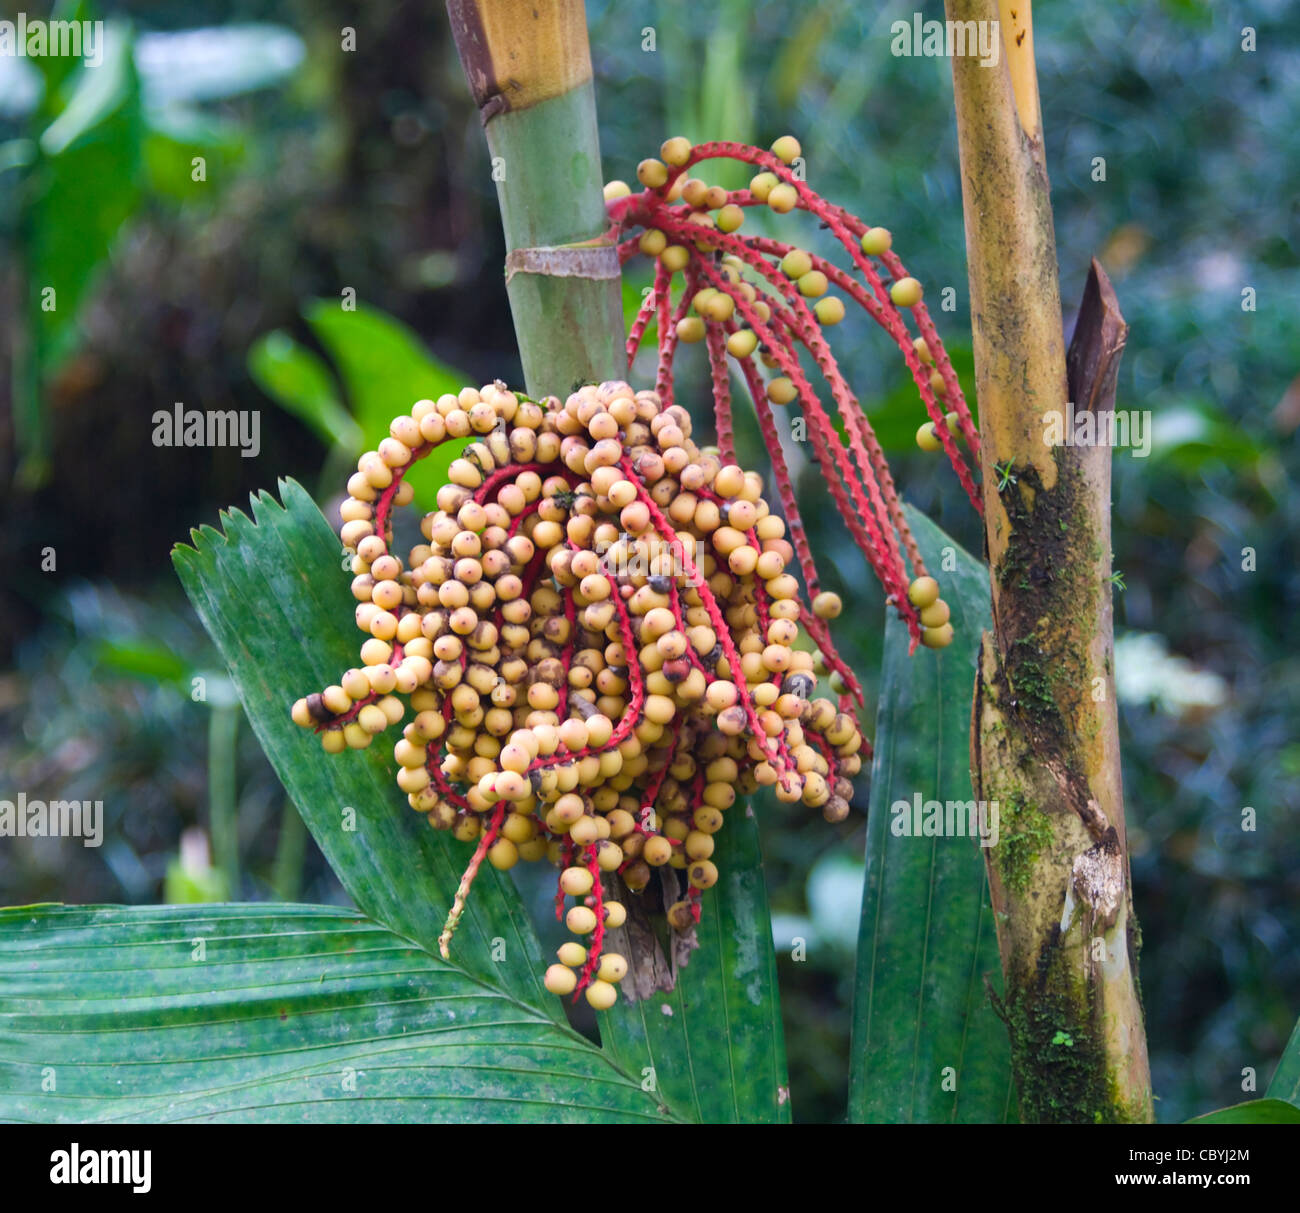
(82, 190)
(927, 1045)
(714, 1047)
(1252, 1112)
(272, 595)
(274, 1013)
(298, 381)
(386, 369)
(1285, 1083)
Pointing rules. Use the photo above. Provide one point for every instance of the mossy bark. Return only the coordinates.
(1044, 737)
(529, 67)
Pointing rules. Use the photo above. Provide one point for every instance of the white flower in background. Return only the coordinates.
(1146, 672)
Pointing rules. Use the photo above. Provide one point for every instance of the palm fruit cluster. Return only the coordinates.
(764, 308)
(600, 644)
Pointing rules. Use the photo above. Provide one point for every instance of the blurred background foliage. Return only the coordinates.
(331, 174)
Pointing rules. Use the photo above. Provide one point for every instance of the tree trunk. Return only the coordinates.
(1044, 736)
(529, 68)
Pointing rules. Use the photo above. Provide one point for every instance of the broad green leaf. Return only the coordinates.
(97, 92)
(141, 659)
(714, 1048)
(897, 413)
(54, 71)
(921, 1013)
(1285, 1083)
(275, 601)
(193, 885)
(635, 282)
(174, 136)
(1200, 432)
(274, 1013)
(386, 369)
(799, 56)
(298, 381)
(1252, 1112)
(83, 187)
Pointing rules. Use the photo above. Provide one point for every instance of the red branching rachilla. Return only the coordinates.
(752, 294)
(599, 640)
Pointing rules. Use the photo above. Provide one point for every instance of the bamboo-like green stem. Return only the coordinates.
(286, 873)
(31, 426)
(1044, 735)
(223, 816)
(529, 67)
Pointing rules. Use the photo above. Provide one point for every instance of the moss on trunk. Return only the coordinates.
(1044, 736)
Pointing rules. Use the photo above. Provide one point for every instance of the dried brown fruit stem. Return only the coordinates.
(1044, 733)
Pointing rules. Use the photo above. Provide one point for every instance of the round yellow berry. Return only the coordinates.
(923, 591)
(876, 240)
(703, 874)
(560, 980)
(576, 882)
(787, 149)
(503, 854)
(813, 284)
(935, 615)
(730, 218)
(720, 306)
(675, 258)
(796, 263)
(602, 995)
(827, 605)
(572, 954)
(742, 343)
(690, 329)
(927, 439)
(906, 292)
(829, 310)
(612, 967)
(652, 173)
(782, 390)
(783, 198)
(652, 242)
(580, 920)
(675, 151)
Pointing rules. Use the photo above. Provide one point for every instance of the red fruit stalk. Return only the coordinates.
(751, 295)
